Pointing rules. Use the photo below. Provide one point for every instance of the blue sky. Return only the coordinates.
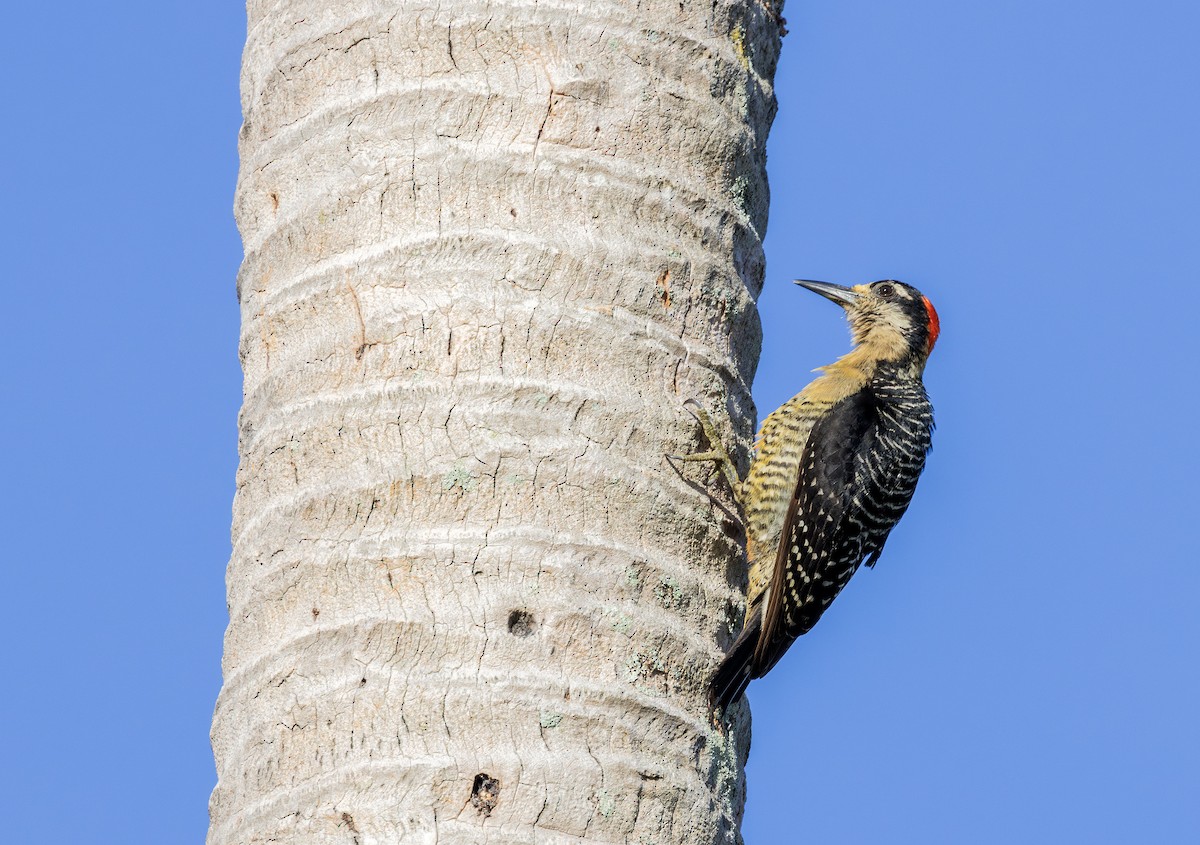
(1020, 667)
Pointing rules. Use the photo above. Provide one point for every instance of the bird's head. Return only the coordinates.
(891, 319)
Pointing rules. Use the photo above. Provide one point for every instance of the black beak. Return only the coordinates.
(840, 294)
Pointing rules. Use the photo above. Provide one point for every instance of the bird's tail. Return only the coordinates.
(735, 672)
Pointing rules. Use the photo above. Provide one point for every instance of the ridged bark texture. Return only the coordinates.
(490, 248)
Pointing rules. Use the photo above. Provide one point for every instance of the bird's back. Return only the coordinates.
(858, 475)
(771, 482)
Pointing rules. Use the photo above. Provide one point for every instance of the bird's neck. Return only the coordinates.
(867, 362)
(899, 373)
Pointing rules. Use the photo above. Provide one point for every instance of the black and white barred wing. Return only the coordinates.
(819, 549)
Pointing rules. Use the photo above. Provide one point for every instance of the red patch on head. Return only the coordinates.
(935, 325)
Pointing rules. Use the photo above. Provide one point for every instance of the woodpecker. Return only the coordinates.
(835, 467)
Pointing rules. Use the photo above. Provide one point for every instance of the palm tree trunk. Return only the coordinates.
(490, 247)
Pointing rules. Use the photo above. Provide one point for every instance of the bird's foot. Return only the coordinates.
(716, 453)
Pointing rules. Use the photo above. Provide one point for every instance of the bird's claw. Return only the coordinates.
(716, 453)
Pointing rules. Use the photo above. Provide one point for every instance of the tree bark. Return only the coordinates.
(490, 248)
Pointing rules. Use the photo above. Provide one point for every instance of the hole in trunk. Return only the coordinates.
(521, 623)
(485, 795)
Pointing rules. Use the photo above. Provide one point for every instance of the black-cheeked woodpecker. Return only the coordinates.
(834, 470)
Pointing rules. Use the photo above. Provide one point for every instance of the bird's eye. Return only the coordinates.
(885, 290)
